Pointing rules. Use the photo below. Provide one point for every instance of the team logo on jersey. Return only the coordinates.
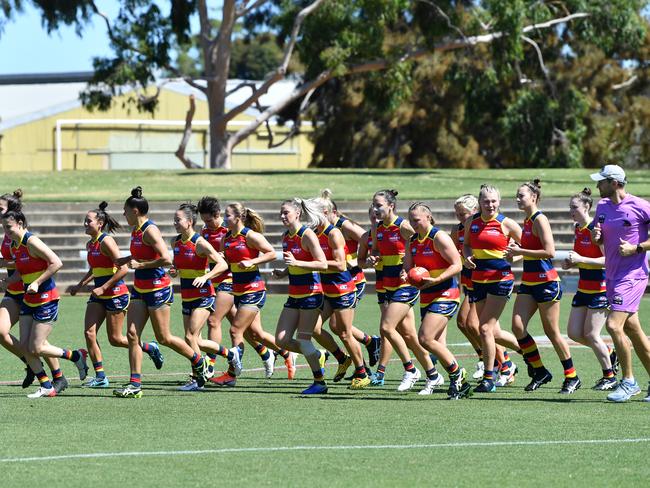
(601, 218)
(380, 236)
(617, 300)
(177, 250)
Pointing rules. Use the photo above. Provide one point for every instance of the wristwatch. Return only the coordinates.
(639, 249)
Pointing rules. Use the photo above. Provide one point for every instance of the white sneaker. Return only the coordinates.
(408, 380)
(269, 366)
(191, 385)
(43, 392)
(431, 384)
(480, 369)
(235, 362)
(507, 379)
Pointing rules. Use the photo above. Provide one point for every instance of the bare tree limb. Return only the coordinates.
(545, 70)
(442, 14)
(244, 10)
(625, 84)
(187, 133)
(296, 125)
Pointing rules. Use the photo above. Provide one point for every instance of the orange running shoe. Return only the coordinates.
(290, 363)
(225, 379)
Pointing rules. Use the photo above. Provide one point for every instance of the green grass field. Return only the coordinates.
(347, 184)
(263, 433)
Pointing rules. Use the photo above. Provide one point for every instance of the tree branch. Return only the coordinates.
(187, 133)
(244, 10)
(545, 70)
(625, 84)
(442, 14)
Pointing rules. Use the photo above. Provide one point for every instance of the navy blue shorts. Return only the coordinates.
(114, 304)
(305, 303)
(448, 309)
(361, 290)
(48, 312)
(255, 299)
(18, 297)
(345, 301)
(406, 294)
(156, 298)
(590, 300)
(381, 297)
(225, 286)
(497, 288)
(203, 302)
(544, 292)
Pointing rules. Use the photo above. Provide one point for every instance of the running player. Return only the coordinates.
(36, 265)
(109, 297)
(589, 306)
(540, 290)
(433, 250)
(151, 295)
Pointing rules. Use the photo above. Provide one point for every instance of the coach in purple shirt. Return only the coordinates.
(621, 226)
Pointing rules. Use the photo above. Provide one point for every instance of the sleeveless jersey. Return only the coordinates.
(214, 237)
(30, 268)
(335, 283)
(16, 288)
(351, 254)
(302, 282)
(391, 246)
(146, 280)
(103, 268)
(465, 273)
(424, 255)
(536, 271)
(592, 276)
(244, 280)
(379, 272)
(488, 243)
(190, 266)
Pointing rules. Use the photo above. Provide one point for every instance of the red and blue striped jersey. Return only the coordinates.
(146, 280)
(103, 268)
(302, 282)
(392, 247)
(191, 266)
(351, 255)
(379, 271)
(244, 280)
(16, 288)
(488, 244)
(335, 283)
(592, 276)
(536, 271)
(214, 237)
(424, 255)
(30, 268)
(465, 273)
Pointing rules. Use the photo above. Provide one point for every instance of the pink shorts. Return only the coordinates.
(625, 295)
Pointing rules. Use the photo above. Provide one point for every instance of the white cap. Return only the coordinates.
(610, 172)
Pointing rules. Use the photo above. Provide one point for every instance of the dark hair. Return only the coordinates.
(389, 195)
(136, 200)
(109, 223)
(16, 215)
(13, 200)
(425, 208)
(189, 209)
(535, 187)
(208, 205)
(585, 197)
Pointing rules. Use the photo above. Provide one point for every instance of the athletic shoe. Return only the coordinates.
(374, 350)
(315, 389)
(377, 379)
(408, 380)
(613, 357)
(156, 355)
(191, 385)
(59, 384)
(43, 393)
(342, 369)
(269, 366)
(604, 384)
(290, 363)
(97, 383)
(29, 377)
(235, 362)
(225, 379)
(626, 390)
(647, 399)
(539, 378)
(570, 385)
(81, 364)
(359, 383)
(479, 370)
(323, 358)
(431, 384)
(458, 386)
(485, 386)
(128, 391)
(508, 378)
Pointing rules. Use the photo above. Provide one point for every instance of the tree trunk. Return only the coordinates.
(220, 150)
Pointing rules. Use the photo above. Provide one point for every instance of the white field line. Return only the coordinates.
(98, 455)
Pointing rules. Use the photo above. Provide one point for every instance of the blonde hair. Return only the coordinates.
(485, 188)
(423, 207)
(251, 219)
(324, 203)
(468, 201)
(308, 212)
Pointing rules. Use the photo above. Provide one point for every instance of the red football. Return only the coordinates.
(416, 274)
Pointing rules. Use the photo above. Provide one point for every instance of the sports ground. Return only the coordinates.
(263, 433)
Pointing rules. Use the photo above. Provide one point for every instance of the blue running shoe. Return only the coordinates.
(626, 390)
(155, 355)
(97, 383)
(315, 389)
(377, 379)
(485, 386)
